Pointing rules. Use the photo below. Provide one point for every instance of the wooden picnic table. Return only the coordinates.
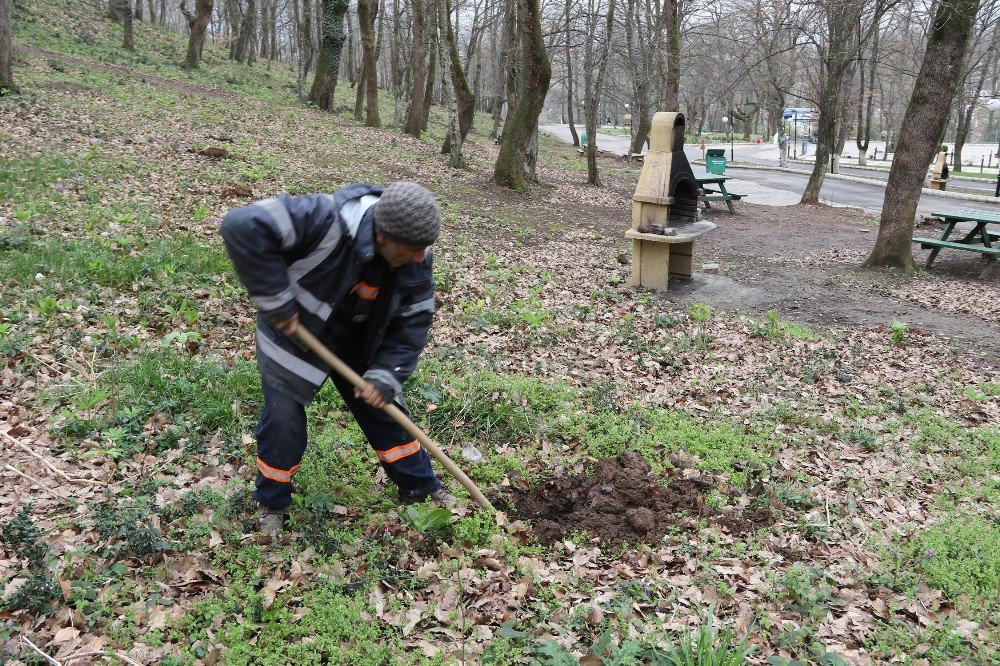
(981, 238)
(709, 194)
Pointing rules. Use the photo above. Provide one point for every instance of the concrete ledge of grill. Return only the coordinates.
(685, 233)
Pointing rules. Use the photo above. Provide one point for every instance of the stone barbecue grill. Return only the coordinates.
(665, 208)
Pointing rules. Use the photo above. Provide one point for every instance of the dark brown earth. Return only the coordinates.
(622, 501)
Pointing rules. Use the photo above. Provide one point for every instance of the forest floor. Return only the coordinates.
(791, 456)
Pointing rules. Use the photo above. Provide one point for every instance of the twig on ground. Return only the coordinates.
(37, 651)
(81, 655)
(71, 479)
(36, 482)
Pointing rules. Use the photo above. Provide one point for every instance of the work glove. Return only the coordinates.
(387, 392)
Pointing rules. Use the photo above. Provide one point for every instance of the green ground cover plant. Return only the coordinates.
(127, 364)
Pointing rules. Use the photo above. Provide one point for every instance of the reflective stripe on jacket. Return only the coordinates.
(302, 254)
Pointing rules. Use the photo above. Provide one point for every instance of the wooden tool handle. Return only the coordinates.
(397, 415)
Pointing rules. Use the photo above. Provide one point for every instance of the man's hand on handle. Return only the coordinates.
(370, 395)
(287, 326)
(373, 394)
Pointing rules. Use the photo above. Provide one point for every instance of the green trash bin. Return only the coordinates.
(715, 161)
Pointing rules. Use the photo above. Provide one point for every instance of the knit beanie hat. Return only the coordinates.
(407, 213)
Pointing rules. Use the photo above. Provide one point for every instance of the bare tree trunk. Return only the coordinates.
(446, 43)
(521, 126)
(138, 10)
(465, 101)
(923, 124)
(864, 129)
(359, 97)
(198, 23)
(128, 34)
(672, 83)
(398, 67)
(593, 86)
(419, 73)
(334, 36)
(569, 79)
(425, 111)
(117, 9)
(6, 49)
(838, 61)
(152, 12)
(244, 48)
(367, 12)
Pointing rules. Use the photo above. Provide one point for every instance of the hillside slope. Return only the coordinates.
(840, 485)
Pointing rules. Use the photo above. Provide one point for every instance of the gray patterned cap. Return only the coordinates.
(407, 213)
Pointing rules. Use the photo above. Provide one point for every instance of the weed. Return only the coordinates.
(428, 519)
(38, 592)
(898, 331)
(128, 528)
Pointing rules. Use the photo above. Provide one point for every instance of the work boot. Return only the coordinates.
(441, 497)
(270, 521)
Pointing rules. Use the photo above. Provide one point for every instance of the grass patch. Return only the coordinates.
(182, 261)
(959, 556)
(497, 411)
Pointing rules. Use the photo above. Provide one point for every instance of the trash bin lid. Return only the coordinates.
(716, 152)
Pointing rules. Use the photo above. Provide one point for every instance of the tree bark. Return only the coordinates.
(922, 126)
(128, 33)
(465, 101)
(569, 75)
(594, 85)
(419, 73)
(138, 10)
(367, 12)
(446, 43)
(521, 126)
(425, 111)
(244, 47)
(117, 9)
(672, 82)
(331, 45)
(198, 24)
(6, 49)
(837, 62)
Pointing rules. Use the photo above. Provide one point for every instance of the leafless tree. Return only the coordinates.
(334, 36)
(530, 82)
(367, 12)
(599, 24)
(197, 24)
(922, 128)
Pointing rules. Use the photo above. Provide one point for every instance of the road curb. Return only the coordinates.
(868, 181)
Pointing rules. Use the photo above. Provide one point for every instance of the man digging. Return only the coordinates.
(355, 269)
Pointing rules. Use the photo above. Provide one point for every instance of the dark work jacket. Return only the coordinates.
(302, 254)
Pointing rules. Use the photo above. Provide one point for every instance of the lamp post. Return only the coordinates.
(795, 135)
(994, 105)
(728, 119)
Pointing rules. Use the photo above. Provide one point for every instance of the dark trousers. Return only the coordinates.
(281, 442)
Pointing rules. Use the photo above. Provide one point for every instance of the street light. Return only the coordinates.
(994, 105)
(795, 135)
(729, 119)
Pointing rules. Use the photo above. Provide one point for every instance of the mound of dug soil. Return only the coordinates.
(623, 501)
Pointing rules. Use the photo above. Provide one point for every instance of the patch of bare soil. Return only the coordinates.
(624, 502)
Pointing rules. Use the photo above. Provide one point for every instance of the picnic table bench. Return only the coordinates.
(981, 238)
(716, 193)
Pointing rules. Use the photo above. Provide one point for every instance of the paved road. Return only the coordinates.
(864, 195)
